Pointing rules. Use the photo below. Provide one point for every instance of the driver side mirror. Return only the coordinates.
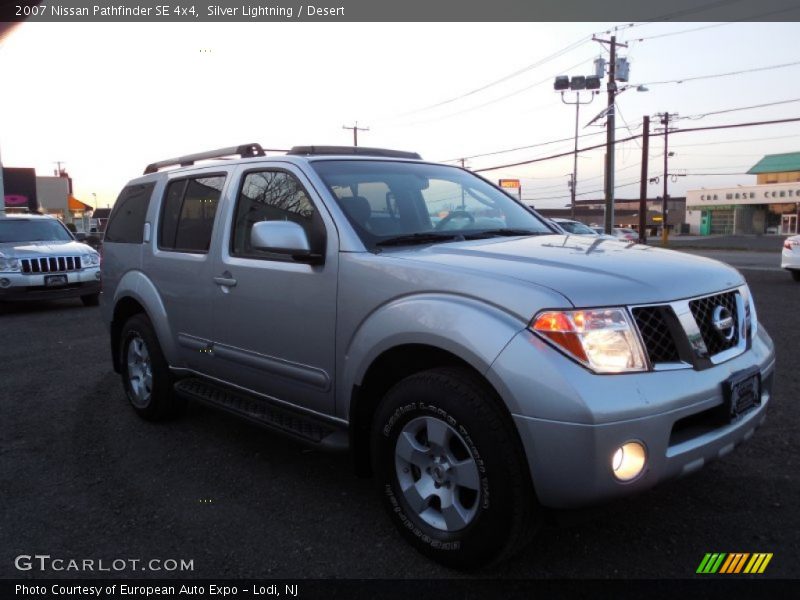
(284, 237)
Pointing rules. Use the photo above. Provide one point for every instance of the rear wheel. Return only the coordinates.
(451, 469)
(145, 373)
(795, 274)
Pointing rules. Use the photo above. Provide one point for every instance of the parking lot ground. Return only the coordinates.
(83, 477)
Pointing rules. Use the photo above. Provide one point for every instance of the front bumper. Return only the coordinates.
(31, 286)
(571, 421)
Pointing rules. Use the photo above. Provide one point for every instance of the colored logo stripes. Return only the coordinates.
(734, 562)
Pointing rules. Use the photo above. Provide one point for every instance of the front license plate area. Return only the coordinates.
(55, 280)
(742, 393)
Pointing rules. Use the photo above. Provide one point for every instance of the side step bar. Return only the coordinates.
(298, 425)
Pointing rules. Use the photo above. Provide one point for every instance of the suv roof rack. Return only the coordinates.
(244, 151)
(352, 150)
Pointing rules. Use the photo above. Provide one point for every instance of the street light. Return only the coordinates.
(579, 82)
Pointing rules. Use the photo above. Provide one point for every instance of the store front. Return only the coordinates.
(755, 210)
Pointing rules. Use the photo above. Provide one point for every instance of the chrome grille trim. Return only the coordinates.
(50, 264)
(688, 336)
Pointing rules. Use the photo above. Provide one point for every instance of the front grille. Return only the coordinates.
(51, 264)
(657, 338)
(703, 312)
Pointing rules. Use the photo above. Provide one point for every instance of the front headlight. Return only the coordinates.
(90, 260)
(10, 265)
(602, 339)
(749, 310)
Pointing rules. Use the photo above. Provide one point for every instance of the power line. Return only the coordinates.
(686, 130)
(729, 110)
(713, 76)
(534, 65)
(692, 29)
(490, 102)
(738, 141)
(616, 187)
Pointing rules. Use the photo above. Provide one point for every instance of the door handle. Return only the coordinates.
(225, 281)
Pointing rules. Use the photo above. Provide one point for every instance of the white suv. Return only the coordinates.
(41, 260)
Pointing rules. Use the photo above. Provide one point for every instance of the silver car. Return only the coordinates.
(480, 365)
(790, 256)
(41, 260)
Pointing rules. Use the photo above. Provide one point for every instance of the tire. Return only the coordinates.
(482, 511)
(795, 274)
(145, 374)
(91, 300)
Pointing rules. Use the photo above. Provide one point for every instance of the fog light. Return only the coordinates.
(628, 461)
(5, 282)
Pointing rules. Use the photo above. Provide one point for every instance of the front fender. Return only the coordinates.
(468, 328)
(136, 285)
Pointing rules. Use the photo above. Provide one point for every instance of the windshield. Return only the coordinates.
(393, 201)
(39, 230)
(576, 228)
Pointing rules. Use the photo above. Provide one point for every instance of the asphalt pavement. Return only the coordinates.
(84, 478)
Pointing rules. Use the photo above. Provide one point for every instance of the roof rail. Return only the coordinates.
(352, 150)
(244, 151)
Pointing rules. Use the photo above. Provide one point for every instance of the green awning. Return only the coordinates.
(777, 163)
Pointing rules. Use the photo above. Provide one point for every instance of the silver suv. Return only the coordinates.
(40, 260)
(479, 364)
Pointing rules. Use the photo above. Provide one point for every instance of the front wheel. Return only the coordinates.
(451, 469)
(795, 274)
(145, 373)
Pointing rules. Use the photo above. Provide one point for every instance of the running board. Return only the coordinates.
(293, 423)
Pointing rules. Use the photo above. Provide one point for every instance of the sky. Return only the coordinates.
(106, 99)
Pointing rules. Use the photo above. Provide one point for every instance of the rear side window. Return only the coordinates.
(126, 224)
(187, 214)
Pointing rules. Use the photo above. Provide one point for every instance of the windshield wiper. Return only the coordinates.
(420, 238)
(504, 232)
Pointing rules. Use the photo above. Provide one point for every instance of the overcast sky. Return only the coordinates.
(107, 99)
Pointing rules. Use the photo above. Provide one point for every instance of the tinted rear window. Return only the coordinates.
(126, 224)
(187, 214)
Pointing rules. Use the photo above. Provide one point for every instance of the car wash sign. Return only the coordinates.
(19, 188)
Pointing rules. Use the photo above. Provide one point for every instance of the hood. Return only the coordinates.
(41, 249)
(588, 272)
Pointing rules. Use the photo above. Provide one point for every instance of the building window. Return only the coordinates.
(728, 196)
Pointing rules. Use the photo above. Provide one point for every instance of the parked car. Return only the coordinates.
(790, 256)
(626, 233)
(479, 372)
(41, 260)
(578, 228)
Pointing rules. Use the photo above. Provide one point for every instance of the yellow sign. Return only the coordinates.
(510, 183)
(658, 219)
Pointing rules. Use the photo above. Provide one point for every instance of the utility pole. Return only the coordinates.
(355, 129)
(58, 169)
(610, 128)
(574, 180)
(665, 118)
(643, 183)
